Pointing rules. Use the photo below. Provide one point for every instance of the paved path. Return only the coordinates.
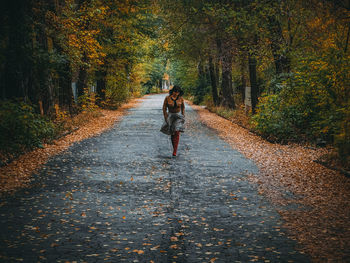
(120, 197)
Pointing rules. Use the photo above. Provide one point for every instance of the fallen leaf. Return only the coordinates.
(138, 251)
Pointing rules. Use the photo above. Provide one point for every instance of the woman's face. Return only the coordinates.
(176, 93)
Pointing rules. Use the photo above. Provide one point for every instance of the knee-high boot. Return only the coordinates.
(175, 140)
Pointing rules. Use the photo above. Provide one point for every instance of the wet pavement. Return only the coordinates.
(121, 197)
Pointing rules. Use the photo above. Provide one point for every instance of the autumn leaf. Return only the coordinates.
(138, 251)
(155, 248)
(173, 238)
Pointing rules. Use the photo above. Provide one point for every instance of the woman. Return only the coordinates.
(174, 122)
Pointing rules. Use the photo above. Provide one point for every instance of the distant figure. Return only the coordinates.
(174, 122)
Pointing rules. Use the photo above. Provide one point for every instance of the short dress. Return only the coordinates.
(175, 122)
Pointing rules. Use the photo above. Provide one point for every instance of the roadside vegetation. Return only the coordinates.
(293, 55)
(70, 58)
(64, 61)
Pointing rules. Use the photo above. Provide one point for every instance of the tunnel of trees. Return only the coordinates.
(59, 58)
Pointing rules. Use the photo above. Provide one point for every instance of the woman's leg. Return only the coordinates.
(175, 140)
(172, 140)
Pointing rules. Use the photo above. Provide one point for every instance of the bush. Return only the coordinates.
(21, 128)
(276, 121)
(342, 140)
(117, 91)
(87, 101)
(154, 90)
(310, 103)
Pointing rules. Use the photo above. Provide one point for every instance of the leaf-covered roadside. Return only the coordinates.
(290, 178)
(18, 173)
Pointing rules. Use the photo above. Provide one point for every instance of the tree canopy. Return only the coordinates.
(73, 55)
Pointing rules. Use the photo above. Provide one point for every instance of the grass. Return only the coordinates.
(239, 115)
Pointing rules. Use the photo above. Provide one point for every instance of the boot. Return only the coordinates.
(175, 140)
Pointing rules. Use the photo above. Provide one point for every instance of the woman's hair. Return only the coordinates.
(176, 89)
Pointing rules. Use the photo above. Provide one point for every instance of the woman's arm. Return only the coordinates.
(165, 108)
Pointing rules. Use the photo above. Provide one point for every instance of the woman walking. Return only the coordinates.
(174, 122)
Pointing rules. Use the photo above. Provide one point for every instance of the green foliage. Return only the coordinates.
(271, 119)
(201, 91)
(133, 43)
(21, 128)
(153, 90)
(311, 103)
(155, 69)
(184, 73)
(225, 112)
(342, 140)
(87, 102)
(117, 91)
(208, 101)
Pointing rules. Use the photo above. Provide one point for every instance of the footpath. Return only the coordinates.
(121, 197)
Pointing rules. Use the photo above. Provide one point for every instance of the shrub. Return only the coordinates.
(117, 91)
(21, 128)
(274, 121)
(310, 103)
(342, 140)
(87, 102)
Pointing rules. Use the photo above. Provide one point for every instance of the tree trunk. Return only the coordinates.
(217, 72)
(347, 39)
(243, 80)
(65, 80)
(226, 57)
(82, 81)
(202, 82)
(101, 85)
(282, 62)
(226, 85)
(253, 82)
(213, 79)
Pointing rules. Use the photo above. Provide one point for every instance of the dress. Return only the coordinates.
(176, 122)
